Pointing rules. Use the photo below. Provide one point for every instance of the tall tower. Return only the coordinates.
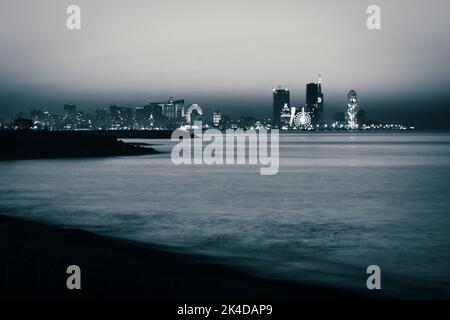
(281, 96)
(314, 101)
(320, 101)
(311, 99)
(352, 110)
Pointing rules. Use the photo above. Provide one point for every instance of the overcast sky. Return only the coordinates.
(227, 55)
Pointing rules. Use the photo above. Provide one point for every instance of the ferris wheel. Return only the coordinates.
(302, 120)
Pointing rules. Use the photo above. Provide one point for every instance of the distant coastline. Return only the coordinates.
(30, 144)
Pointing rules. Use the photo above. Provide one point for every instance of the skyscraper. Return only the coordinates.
(320, 100)
(352, 110)
(142, 116)
(121, 117)
(314, 101)
(173, 109)
(156, 113)
(217, 119)
(361, 116)
(70, 110)
(101, 118)
(280, 98)
(285, 116)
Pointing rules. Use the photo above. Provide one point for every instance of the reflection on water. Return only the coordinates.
(339, 203)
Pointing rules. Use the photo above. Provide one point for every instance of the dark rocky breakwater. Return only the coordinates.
(28, 144)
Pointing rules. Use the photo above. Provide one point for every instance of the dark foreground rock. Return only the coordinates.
(27, 144)
(34, 258)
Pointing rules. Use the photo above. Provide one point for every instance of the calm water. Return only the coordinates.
(340, 202)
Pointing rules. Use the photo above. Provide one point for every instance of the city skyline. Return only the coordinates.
(171, 114)
(226, 56)
(225, 158)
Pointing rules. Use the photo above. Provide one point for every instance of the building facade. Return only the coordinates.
(314, 102)
(281, 97)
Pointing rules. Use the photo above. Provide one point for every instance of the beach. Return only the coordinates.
(34, 259)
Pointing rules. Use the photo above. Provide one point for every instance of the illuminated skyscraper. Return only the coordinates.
(352, 110)
(169, 114)
(285, 115)
(173, 109)
(280, 98)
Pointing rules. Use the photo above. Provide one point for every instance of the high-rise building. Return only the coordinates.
(226, 122)
(217, 119)
(173, 109)
(126, 117)
(70, 110)
(114, 112)
(70, 116)
(141, 117)
(285, 119)
(156, 114)
(121, 117)
(101, 118)
(314, 101)
(169, 114)
(352, 110)
(361, 116)
(179, 109)
(280, 98)
(168, 110)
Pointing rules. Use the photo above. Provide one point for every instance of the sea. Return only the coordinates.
(340, 202)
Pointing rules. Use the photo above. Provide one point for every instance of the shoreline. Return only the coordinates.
(34, 258)
(26, 144)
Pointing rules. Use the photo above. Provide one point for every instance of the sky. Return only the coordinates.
(227, 55)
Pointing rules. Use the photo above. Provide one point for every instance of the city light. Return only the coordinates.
(352, 111)
(172, 114)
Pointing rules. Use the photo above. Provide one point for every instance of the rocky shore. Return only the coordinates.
(28, 144)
